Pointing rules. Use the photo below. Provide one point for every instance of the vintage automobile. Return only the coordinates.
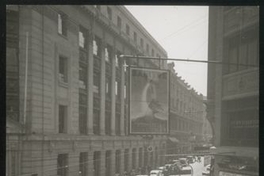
(206, 170)
(156, 173)
(190, 159)
(183, 162)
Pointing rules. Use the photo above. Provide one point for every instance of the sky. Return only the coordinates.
(183, 32)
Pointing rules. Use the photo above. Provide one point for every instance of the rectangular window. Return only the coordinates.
(141, 43)
(96, 83)
(152, 52)
(62, 165)
(140, 157)
(134, 152)
(106, 55)
(117, 161)
(83, 118)
(83, 37)
(127, 29)
(147, 49)
(96, 161)
(108, 121)
(62, 28)
(243, 56)
(135, 37)
(126, 156)
(116, 61)
(107, 162)
(62, 118)
(119, 22)
(63, 69)
(82, 76)
(109, 13)
(96, 121)
(233, 52)
(83, 163)
(95, 48)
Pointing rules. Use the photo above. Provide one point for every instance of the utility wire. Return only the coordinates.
(186, 26)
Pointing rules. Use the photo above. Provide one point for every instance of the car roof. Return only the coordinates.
(155, 171)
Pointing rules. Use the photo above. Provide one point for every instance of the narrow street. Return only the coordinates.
(198, 168)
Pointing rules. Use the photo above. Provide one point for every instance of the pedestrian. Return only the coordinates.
(199, 159)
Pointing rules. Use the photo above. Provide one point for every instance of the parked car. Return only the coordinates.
(183, 162)
(162, 168)
(190, 159)
(186, 170)
(156, 173)
(206, 170)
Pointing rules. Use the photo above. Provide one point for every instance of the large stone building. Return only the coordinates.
(66, 98)
(186, 115)
(233, 88)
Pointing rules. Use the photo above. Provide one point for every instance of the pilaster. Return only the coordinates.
(90, 86)
(102, 91)
(113, 96)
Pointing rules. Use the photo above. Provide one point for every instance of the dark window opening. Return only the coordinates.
(109, 13)
(119, 22)
(62, 118)
(62, 165)
(63, 69)
(62, 24)
(83, 164)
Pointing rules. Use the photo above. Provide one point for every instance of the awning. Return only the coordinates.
(173, 139)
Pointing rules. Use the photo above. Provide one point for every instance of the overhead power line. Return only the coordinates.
(184, 60)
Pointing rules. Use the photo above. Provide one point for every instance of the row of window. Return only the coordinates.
(62, 29)
(63, 161)
(127, 30)
(182, 107)
(243, 53)
(181, 125)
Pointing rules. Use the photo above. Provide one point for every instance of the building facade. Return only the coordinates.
(233, 88)
(66, 91)
(186, 115)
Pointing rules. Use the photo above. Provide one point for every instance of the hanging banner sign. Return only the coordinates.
(149, 101)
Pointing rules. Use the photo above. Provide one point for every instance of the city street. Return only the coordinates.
(197, 168)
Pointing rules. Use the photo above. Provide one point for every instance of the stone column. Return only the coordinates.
(113, 96)
(90, 87)
(136, 158)
(129, 156)
(102, 91)
(102, 163)
(73, 168)
(113, 161)
(90, 166)
(122, 125)
(122, 152)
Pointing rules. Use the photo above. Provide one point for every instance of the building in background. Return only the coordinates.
(186, 115)
(233, 88)
(66, 91)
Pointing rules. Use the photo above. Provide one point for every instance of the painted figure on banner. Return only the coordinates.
(149, 101)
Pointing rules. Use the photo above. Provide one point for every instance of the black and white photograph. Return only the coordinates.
(132, 90)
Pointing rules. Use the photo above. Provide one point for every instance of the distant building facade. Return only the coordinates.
(186, 115)
(233, 88)
(66, 91)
